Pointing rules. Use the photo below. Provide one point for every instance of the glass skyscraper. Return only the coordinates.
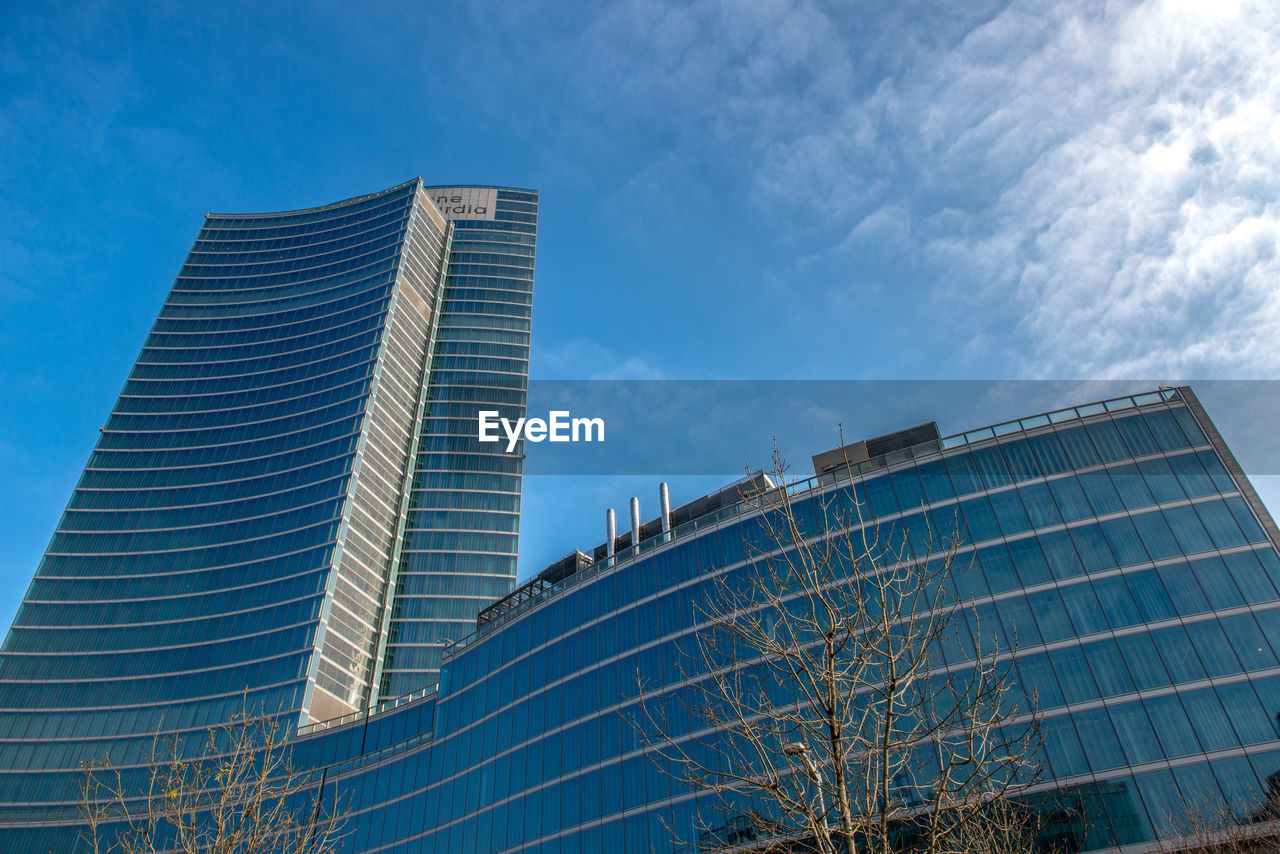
(289, 499)
(283, 508)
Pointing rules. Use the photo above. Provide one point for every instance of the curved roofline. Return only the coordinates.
(353, 199)
(400, 186)
(478, 187)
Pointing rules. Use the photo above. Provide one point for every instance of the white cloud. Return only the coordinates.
(1098, 183)
(1070, 189)
(1142, 241)
(1132, 159)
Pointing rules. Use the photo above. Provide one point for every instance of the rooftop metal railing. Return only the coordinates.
(384, 706)
(539, 592)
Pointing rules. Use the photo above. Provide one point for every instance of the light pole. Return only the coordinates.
(801, 750)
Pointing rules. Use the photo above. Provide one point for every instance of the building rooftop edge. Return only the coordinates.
(480, 187)
(361, 198)
(493, 613)
(330, 205)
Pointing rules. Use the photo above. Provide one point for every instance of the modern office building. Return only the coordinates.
(1119, 539)
(287, 505)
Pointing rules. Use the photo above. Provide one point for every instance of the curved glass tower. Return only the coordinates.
(235, 537)
(458, 552)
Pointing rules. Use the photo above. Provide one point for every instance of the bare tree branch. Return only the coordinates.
(239, 794)
(841, 701)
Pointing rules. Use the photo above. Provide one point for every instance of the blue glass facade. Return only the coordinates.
(1117, 539)
(235, 537)
(1132, 564)
(288, 502)
(1113, 538)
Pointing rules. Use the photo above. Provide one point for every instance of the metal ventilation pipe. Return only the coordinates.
(664, 501)
(635, 521)
(611, 531)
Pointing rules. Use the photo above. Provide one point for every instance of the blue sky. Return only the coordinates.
(753, 190)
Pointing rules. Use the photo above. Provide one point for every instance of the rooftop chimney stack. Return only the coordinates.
(610, 531)
(635, 521)
(664, 502)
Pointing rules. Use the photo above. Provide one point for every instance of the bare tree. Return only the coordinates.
(843, 700)
(239, 795)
